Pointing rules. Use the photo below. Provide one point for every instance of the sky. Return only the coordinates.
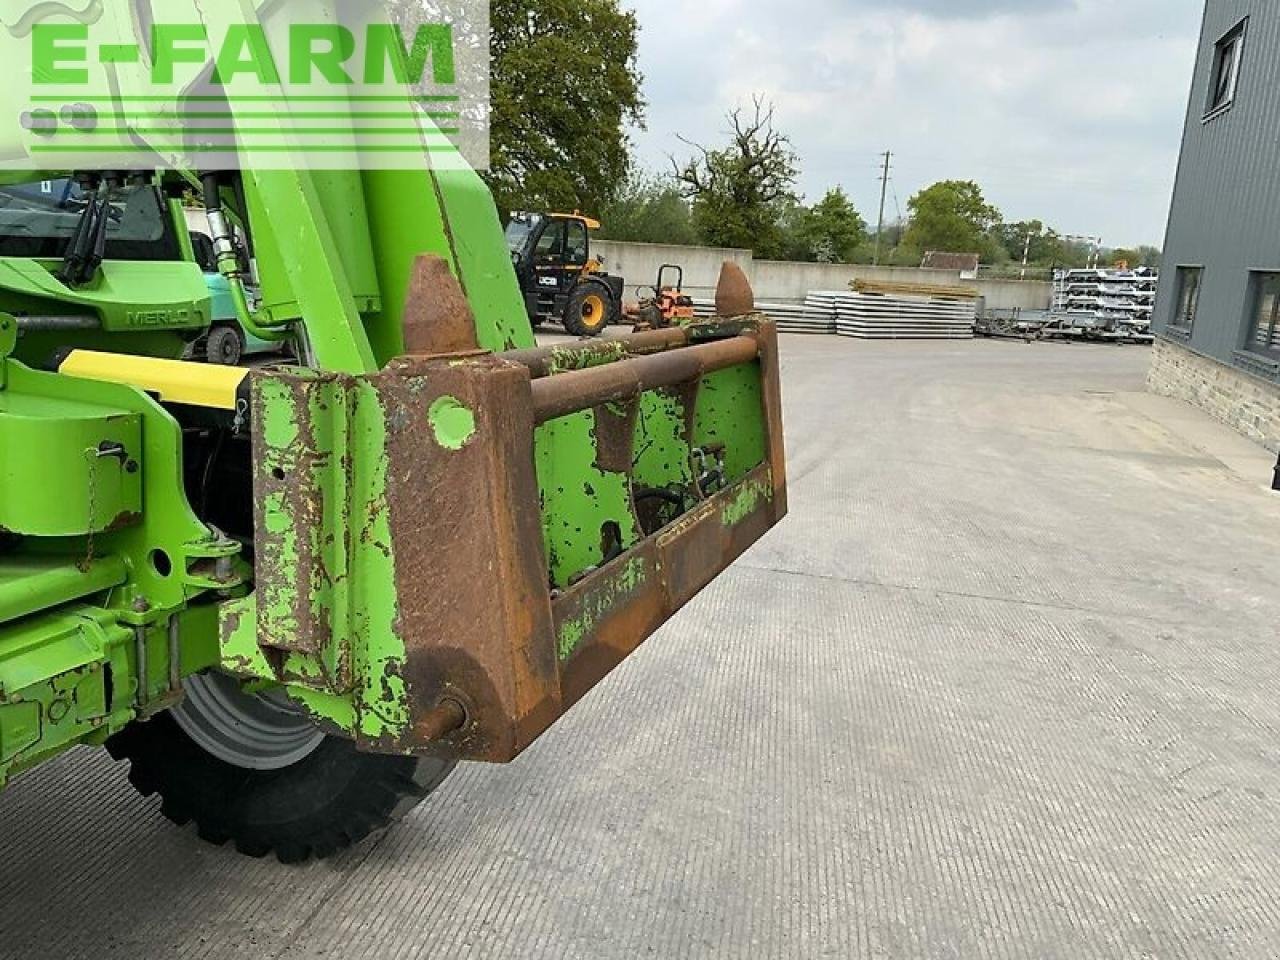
(1067, 111)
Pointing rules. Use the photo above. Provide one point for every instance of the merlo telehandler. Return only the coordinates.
(294, 594)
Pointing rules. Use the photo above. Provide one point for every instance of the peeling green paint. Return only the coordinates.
(745, 502)
(726, 404)
(241, 653)
(568, 359)
(663, 457)
(452, 423)
(326, 708)
(382, 703)
(600, 603)
(280, 428)
(573, 520)
(332, 518)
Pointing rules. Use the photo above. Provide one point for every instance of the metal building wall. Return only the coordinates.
(1226, 203)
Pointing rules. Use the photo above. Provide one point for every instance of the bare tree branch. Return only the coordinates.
(738, 190)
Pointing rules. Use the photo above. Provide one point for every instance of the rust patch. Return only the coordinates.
(611, 613)
(615, 436)
(734, 296)
(437, 317)
(288, 563)
(548, 361)
(474, 610)
(558, 396)
(771, 372)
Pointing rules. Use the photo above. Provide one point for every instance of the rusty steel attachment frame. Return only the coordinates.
(408, 592)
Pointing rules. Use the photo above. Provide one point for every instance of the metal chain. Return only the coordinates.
(93, 455)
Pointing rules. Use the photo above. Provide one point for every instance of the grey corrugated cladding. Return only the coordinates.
(1226, 204)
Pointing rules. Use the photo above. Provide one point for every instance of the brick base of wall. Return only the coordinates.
(1249, 405)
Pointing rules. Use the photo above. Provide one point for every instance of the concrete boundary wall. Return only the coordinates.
(777, 281)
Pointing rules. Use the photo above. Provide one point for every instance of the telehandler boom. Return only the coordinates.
(293, 596)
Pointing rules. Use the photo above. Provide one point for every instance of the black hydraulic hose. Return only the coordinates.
(79, 245)
(91, 265)
(229, 262)
(86, 238)
(212, 185)
(658, 493)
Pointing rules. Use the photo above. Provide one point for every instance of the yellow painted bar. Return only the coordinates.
(174, 381)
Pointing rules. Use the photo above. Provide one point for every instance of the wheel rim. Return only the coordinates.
(259, 731)
(593, 312)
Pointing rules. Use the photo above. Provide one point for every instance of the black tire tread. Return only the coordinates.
(573, 309)
(214, 341)
(347, 795)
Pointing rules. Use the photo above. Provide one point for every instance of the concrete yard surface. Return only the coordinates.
(1005, 684)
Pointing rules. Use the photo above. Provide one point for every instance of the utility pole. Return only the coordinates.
(884, 190)
(1026, 254)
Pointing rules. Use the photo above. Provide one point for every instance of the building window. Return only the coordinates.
(1189, 279)
(1226, 70)
(1264, 320)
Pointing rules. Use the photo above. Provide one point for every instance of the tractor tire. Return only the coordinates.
(224, 346)
(589, 310)
(331, 798)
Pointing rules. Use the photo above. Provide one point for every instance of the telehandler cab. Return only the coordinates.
(293, 596)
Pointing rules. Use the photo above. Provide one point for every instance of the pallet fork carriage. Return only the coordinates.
(502, 632)
(294, 596)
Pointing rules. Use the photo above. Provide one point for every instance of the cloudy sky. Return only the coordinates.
(1066, 110)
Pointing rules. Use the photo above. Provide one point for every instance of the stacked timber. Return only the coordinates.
(928, 291)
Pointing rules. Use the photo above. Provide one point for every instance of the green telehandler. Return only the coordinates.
(294, 594)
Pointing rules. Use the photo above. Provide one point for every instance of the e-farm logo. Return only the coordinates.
(316, 53)
(108, 91)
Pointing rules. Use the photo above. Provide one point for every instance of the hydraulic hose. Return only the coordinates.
(224, 246)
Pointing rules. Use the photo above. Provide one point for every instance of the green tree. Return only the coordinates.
(1026, 236)
(1075, 254)
(793, 227)
(952, 217)
(833, 229)
(890, 243)
(648, 209)
(564, 87)
(1150, 257)
(740, 192)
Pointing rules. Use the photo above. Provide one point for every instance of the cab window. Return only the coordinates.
(578, 245)
(551, 243)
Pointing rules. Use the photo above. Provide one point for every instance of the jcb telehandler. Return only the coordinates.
(292, 597)
(560, 279)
